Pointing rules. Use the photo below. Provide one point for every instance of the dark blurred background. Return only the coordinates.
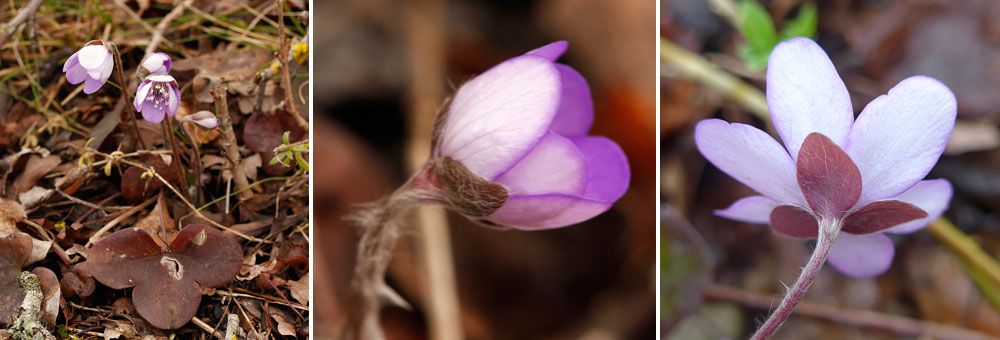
(874, 45)
(594, 280)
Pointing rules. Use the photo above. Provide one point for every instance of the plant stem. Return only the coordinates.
(380, 230)
(128, 106)
(829, 229)
(168, 131)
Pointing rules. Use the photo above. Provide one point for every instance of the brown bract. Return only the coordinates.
(167, 283)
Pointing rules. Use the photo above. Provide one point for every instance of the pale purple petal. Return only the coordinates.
(554, 166)
(576, 108)
(93, 56)
(105, 70)
(499, 116)
(862, 256)
(931, 196)
(551, 51)
(141, 93)
(152, 114)
(546, 211)
(174, 98)
(805, 94)
(752, 209)
(71, 62)
(91, 85)
(899, 137)
(157, 63)
(751, 157)
(607, 180)
(76, 74)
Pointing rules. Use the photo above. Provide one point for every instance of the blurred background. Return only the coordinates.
(383, 68)
(720, 277)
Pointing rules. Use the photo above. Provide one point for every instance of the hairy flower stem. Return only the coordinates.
(168, 134)
(128, 104)
(829, 229)
(380, 230)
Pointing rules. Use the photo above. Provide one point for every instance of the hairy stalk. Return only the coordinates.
(168, 128)
(828, 232)
(128, 104)
(380, 230)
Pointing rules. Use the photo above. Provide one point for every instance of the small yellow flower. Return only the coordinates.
(300, 53)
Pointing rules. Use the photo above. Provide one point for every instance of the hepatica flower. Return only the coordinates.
(512, 148)
(157, 96)
(156, 63)
(91, 65)
(863, 175)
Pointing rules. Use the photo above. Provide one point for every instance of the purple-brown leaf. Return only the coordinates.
(881, 215)
(792, 221)
(167, 284)
(828, 177)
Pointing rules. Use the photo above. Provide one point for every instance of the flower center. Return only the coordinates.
(158, 95)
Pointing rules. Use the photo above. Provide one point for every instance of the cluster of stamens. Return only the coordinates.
(158, 95)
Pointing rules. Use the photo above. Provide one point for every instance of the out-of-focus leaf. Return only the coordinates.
(803, 25)
(758, 28)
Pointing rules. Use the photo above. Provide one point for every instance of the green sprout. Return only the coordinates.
(288, 151)
(761, 37)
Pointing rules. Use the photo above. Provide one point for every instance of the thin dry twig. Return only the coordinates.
(157, 38)
(229, 142)
(861, 318)
(291, 106)
(27, 11)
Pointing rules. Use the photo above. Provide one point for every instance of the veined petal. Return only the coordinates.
(551, 51)
(72, 61)
(751, 157)
(555, 165)
(91, 85)
(899, 137)
(607, 174)
(499, 116)
(93, 56)
(931, 196)
(76, 74)
(151, 113)
(576, 108)
(862, 256)
(140, 94)
(752, 209)
(805, 94)
(173, 100)
(539, 212)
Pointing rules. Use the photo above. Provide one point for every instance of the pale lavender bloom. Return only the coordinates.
(523, 124)
(156, 96)
(91, 65)
(156, 63)
(203, 119)
(866, 172)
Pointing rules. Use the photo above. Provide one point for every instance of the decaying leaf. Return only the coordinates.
(300, 289)
(15, 249)
(167, 283)
(51, 294)
(213, 67)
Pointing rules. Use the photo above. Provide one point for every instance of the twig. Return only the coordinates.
(130, 110)
(285, 50)
(899, 325)
(97, 235)
(694, 66)
(154, 42)
(26, 323)
(232, 326)
(27, 11)
(206, 327)
(229, 142)
(425, 41)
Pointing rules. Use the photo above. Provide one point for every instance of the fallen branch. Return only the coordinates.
(26, 12)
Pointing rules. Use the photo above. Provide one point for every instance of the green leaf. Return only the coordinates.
(803, 25)
(758, 27)
(285, 137)
(755, 60)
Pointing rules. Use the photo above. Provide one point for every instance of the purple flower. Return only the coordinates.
(91, 65)
(158, 94)
(866, 173)
(203, 119)
(156, 63)
(523, 125)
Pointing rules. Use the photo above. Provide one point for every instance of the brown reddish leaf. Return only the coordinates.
(15, 250)
(238, 69)
(167, 284)
(263, 132)
(37, 167)
(51, 295)
(11, 212)
(828, 177)
(881, 215)
(300, 289)
(793, 221)
(75, 284)
(135, 189)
